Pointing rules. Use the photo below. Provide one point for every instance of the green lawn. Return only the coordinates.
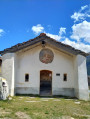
(25, 107)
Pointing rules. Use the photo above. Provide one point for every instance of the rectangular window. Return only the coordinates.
(64, 77)
(26, 77)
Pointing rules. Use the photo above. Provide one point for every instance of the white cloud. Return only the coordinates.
(38, 29)
(56, 37)
(59, 36)
(62, 31)
(77, 45)
(82, 14)
(84, 7)
(81, 31)
(78, 16)
(1, 32)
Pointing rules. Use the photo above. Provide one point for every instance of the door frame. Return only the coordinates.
(40, 79)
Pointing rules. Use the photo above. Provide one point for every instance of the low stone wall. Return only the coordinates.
(64, 91)
(27, 90)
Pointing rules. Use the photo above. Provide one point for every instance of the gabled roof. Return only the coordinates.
(46, 39)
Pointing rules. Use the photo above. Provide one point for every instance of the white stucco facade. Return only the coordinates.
(81, 83)
(26, 61)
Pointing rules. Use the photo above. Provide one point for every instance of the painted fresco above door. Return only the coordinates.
(46, 56)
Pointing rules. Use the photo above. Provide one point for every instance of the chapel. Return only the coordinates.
(46, 67)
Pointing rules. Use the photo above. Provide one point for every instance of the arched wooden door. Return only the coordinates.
(45, 82)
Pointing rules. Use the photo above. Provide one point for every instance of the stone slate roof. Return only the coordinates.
(47, 40)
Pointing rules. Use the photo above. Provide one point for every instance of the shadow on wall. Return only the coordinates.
(89, 82)
(81, 60)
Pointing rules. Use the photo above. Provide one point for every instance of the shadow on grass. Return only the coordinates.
(54, 96)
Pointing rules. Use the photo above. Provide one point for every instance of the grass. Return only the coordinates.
(27, 107)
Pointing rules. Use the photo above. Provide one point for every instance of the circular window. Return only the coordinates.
(46, 56)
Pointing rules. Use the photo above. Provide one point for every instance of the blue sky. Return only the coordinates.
(67, 21)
